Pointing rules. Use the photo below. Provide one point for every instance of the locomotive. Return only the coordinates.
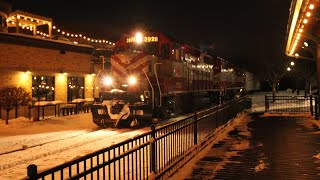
(155, 77)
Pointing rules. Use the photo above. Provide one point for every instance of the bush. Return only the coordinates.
(11, 96)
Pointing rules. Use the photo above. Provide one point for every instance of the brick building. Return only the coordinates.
(50, 69)
(24, 60)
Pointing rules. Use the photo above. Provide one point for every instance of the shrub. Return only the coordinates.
(11, 96)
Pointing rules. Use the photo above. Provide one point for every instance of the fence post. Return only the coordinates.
(316, 108)
(311, 105)
(32, 171)
(153, 150)
(265, 103)
(195, 131)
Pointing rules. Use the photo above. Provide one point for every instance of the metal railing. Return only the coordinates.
(156, 154)
(292, 104)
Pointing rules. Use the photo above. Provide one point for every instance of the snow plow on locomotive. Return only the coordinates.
(154, 77)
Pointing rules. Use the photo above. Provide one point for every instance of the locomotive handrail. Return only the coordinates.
(155, 72)
(151, 88)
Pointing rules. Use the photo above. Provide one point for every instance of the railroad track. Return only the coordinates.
(38, 151)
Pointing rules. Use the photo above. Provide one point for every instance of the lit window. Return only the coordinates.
(43, 88)
(75, 90)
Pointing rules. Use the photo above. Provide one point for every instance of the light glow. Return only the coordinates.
(308, 14)
(132, 80)
(108, 81)
(288, 69)
(292, 63)
(311, 6)
(139, 38)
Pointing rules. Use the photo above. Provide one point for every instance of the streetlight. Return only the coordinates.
(288, 69)
(292, 63)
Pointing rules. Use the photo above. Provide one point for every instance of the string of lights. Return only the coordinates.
(64, 33)
(37, 22)
(302, 24)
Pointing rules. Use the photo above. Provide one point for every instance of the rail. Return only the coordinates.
(156, 154)
(292, 104)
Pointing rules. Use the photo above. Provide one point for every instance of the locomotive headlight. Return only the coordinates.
(107, 81)
(132, 80)
(139, 38)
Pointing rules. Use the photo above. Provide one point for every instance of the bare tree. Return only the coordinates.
(303, 72)
(273, 71)
(11, 96)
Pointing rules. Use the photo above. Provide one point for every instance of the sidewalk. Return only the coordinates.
(267, 148)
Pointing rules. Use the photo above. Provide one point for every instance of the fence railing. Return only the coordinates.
(156, 154)
(292, 104)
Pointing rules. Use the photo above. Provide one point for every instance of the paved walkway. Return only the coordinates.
(278, 148)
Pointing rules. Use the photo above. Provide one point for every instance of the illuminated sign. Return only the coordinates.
(145, 39)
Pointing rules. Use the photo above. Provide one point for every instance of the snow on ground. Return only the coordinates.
(220, 134)
(258, 105)
(317, 156)
(261, 166)
(52, 141)
(56, 140)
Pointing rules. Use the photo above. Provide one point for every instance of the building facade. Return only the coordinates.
(48, 69)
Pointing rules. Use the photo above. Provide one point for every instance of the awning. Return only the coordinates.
(303, 28)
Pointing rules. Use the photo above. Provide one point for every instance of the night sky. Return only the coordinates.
(236, 29)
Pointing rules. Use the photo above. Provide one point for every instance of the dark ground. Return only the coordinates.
(280, 148)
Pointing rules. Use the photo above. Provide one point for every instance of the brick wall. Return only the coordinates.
(22, 57)
(16, 59)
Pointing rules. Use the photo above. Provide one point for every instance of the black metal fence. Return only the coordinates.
(153, 155)
(292, 104)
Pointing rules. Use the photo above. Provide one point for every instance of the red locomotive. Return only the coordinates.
(160, 77)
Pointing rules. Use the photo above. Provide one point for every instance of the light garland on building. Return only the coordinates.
(301, 26)
(73, 35)
(12, 20)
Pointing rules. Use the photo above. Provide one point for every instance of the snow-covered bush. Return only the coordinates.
(11, 96)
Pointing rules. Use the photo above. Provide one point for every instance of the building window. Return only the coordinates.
(43, 88)
(75, 88)
(3, 21)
